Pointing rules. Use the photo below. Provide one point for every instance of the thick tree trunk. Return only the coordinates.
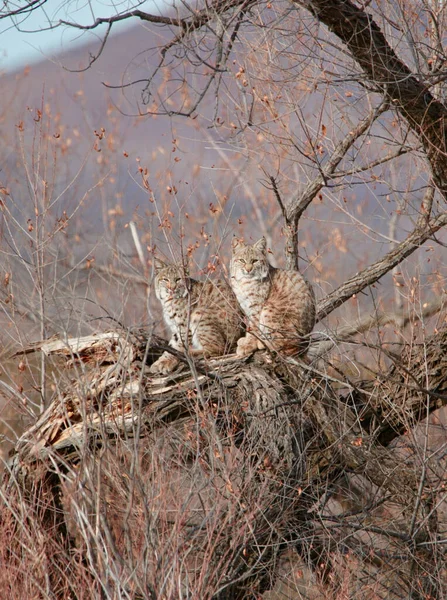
(385, 71)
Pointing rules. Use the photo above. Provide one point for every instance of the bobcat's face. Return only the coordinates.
(170, 283)
(249, 262)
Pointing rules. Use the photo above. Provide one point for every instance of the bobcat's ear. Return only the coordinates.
(260, 244)
(159, 264)
(237, 243)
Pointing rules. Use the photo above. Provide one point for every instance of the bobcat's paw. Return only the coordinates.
(246, 345)
(261, 345)
(164, 365)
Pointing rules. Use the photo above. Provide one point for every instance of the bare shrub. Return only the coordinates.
(242, 479)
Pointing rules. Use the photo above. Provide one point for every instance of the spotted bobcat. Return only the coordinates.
(204, 317)
(279, 305)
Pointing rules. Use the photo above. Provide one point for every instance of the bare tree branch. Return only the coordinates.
(408, 94)
(291, 232)
(94, 57)
(160, 19)
(29, 7)
(399, 319)
(374, 272)
(374, 163)
(298, 205)
(405, 395)
(187, 24)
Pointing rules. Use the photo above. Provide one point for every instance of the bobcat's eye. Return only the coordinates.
(242, 261)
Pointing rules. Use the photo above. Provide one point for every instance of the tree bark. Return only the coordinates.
(269, 436)
(392, 77)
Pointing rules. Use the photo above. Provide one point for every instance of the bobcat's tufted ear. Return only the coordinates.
(237, 244)
(260, 245)
(159, 264)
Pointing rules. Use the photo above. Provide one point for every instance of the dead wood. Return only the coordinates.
(270, 434)
(413, 388)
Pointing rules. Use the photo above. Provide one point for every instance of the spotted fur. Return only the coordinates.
(279, 305)
(204, 317)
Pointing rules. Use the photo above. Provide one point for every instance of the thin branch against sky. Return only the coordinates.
(34, 36)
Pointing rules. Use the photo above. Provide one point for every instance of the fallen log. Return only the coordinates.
(250, 445)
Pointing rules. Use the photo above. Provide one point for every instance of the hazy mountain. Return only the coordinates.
(78, 104)
(140, 157)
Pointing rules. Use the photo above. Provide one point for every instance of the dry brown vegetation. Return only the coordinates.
(321, 125)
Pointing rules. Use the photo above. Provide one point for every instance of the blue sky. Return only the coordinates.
(18, 48)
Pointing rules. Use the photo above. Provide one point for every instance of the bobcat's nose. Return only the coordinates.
(249, 267)
(172, 289)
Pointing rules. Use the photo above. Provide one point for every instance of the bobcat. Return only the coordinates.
(279, 305)
(204, 317)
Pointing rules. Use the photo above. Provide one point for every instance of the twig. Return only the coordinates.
(136, 241)
(374, 272)
(290, 229)
(299, 203)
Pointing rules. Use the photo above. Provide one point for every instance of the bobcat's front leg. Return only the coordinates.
(167, 361)
(248, 344)
(164, 365)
